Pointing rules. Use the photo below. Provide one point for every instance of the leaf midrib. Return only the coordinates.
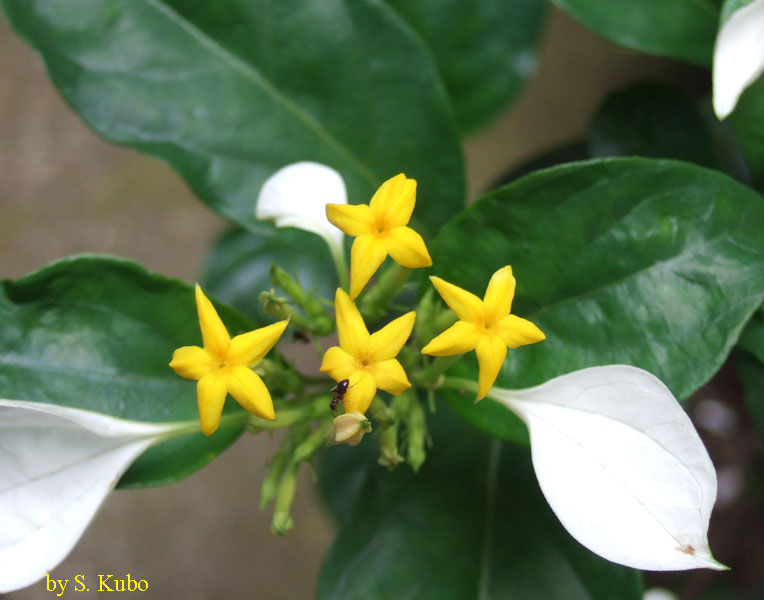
(491, 485)
(249, 72)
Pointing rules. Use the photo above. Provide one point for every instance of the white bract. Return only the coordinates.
(57, 464)
(659, 594)
(297, 195)
(738, 55)
(621, 465)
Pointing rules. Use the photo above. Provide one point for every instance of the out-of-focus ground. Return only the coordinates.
(65, 191)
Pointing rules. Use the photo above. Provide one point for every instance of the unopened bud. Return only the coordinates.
(282, 521)
(274, 305)
(388, 448)
(279, 307)
(416, 427)
(318, 320)
(350, 428)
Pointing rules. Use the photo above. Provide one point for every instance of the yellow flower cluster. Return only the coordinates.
(367, 361)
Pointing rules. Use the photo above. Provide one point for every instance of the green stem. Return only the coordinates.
(288, 417)
(192, 426)
(308, 447)
(377, 300)
(458, 383)
(284, 418)
(338, 256)
(432, 375)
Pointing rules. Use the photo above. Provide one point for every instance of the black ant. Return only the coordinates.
(339, 392)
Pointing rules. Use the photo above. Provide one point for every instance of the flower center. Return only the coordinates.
(221, 363)
(381, 227)
(364, 361)
(486, 326)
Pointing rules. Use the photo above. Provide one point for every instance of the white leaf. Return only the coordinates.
(738, 55)
(621, 465)
(57, 464)
(659, 594)
(297, 195)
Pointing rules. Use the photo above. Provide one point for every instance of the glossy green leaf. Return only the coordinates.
(485, 49)
(752, 338)
(471, 524)
(748, 123)
(683, 29)
(572, 152)
(751, 372)
(236, 269)
(651, 263)
(229, 91)
(750, 368)
(97, 333)
(487, 414)
(651, 120)
(728, 155)
(726, 588)
(342, 474)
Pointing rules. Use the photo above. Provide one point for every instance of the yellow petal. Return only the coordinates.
(361, 391)
(467, 306)
(250, 391)
(210, 396)
(388, 341)
(407, 248)
(214, 333)
(390, 376)
(338, 364)
(248, 348)
(367, 253)
(353, 220)
(393, 202)
(491, 352)
(499, 294)
(192, 362)
(354, 337)
(460, 337)
(515, 332)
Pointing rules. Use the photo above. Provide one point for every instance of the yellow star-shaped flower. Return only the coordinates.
(380, 229)
(222, 366)
(367, 361)
(484, 326)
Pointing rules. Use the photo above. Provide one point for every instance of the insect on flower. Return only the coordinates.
(339, 392)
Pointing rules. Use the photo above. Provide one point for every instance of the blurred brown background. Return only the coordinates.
(65, 191)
